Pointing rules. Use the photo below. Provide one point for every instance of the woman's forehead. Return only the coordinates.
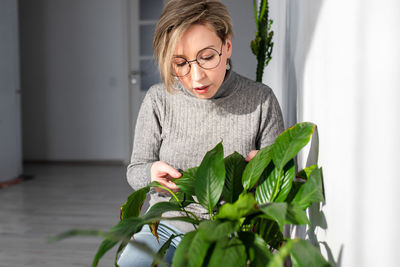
(196, 38)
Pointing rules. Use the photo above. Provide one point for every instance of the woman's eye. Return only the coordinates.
(210, 57)
(180, 64)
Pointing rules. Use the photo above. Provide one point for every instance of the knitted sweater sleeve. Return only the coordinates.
(271, 123)
(147, 141)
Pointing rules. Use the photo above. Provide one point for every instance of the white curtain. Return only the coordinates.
(337, 63)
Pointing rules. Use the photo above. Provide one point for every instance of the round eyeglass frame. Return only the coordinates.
(189, 62)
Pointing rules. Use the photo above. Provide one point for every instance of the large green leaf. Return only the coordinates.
(210, 178)
(305, 173)
(212, 231)
(133, 205)
(120, 232)
(244, 206)
(228, 252)
(276, 185)
(284, 213)
(197, 251)
(186, 182)
(290, 142)
(311, 191)
(181, 256)
(286, 181)
(156, 211)
(124, 229)
(256, 166)
(256, 249)
(269, 230)
(234, 167)
(105, 246)
(266, 186)
(304, 255)
(301, 178)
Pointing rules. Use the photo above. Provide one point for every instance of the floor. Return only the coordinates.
(59, 198)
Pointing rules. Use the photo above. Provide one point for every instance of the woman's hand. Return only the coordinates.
(162, 172)
(251, 155)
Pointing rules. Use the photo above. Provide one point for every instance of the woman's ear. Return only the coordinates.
(228, 45)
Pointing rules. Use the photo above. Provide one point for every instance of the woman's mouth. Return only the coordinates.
(202, 90)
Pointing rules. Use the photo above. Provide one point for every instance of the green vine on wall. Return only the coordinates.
(262, 45)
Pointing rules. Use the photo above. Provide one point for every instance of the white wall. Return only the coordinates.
(244, 27)
(10, 122)
(343, 67)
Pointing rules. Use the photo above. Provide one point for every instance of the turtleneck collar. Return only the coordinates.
(224, 90)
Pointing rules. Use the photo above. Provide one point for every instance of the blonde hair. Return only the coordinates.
(176, 17)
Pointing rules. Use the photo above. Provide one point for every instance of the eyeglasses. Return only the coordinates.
(207, 58)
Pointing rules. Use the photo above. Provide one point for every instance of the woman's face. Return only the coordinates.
(203, 83)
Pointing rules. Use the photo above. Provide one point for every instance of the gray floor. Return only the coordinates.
(59, 198)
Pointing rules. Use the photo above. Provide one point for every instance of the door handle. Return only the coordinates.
(133, 76)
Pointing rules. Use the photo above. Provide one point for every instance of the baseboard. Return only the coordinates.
(19, 179)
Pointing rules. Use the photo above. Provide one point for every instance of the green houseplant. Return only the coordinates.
(262, 45)
(248, 206)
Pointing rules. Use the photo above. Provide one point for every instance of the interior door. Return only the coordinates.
(10, 119)
(74, 80)
(143, 16)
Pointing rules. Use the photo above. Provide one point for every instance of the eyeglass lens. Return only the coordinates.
(207, 58)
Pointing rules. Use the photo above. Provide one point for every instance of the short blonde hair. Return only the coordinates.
(176, 17)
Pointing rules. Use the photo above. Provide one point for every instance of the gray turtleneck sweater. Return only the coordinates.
(180, 128)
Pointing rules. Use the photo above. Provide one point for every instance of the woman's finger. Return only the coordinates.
(251, 155)
(163, 168)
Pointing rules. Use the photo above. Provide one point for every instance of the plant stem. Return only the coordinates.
(180, 204)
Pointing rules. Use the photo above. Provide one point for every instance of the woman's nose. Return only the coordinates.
(196, 72)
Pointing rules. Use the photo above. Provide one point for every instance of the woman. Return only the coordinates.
(200, 102)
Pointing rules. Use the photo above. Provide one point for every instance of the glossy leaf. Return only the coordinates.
(244, 206)
(256, 249)
(304, 254)
(256, 166)
(265, 189)
(284, 213)
(133, 205)
(186, 182)
(181, 256)
(228, 252)
(286, 182)
(212, 231)
(294, 190)
(305, 173)
(197, 251)
(290, 142)
(276, 186)
(311, 191)
(210, 178)
(301, 178)
(234, 167)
